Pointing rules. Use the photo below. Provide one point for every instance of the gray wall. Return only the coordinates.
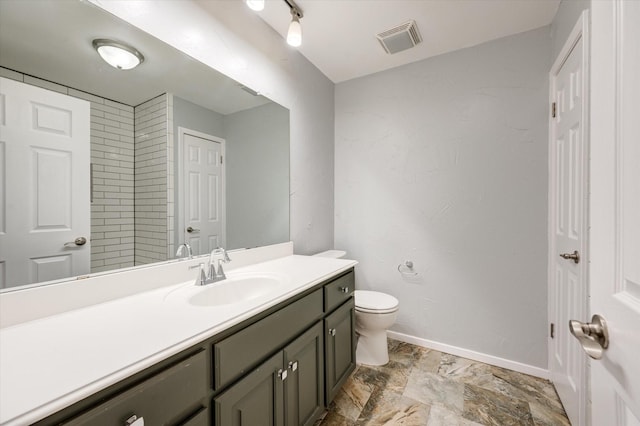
(568, 13)
(444, 162)
(194, 117)
(257, 173)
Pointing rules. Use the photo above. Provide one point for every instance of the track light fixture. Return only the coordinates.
(294, 34)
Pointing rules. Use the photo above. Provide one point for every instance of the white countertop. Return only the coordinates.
(50, 363)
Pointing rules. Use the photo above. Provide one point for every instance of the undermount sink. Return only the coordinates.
(235, 289)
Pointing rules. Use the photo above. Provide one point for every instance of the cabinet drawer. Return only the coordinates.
(236, 354)
(336, 292)
(170, 396)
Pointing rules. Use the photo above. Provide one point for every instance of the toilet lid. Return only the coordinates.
(374, 301)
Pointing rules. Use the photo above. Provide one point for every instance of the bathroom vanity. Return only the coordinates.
(278, 358)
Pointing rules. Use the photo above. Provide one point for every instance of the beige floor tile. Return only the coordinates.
(420, 386)
(386, 407)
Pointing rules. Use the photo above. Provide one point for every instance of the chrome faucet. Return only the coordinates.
(216, 258)
(181, 248)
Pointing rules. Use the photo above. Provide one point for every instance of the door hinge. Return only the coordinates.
(553, 110)
(221, 158)
(552, 330)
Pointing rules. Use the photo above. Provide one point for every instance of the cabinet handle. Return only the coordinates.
(344, 289)
(332, 331)
(282, 374)
(134, 421)
(293, 365)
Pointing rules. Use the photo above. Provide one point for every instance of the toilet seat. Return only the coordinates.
(375, 302)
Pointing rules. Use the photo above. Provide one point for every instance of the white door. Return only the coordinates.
(204, 194)
(614, 268)
(44, 184)
(568, 278)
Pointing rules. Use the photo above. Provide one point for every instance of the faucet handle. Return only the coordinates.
(201, 279)
(221, 275)
(223, 252)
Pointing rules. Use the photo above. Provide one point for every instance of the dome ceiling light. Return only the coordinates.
(117, 54)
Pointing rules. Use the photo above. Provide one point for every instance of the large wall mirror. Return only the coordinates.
(103, 169)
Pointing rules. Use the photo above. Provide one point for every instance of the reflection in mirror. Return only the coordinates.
(136, 162)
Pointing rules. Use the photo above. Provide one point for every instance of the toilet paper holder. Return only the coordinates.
(406, 268)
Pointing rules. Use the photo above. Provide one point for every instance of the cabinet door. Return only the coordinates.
(340, 349)
(304, 387)
(256, 400)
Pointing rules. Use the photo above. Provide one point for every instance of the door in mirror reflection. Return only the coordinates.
(44, 216)
(204, 191)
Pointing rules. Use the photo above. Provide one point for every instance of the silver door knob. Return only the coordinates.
(80, 241)
(575, 256)
(332, 331)
(593, 336)
(192, 230)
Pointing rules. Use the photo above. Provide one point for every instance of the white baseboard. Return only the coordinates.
(476, 356)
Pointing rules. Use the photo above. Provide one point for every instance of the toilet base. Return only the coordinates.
(372, 348)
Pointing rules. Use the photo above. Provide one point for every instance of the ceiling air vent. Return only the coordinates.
(400, 38)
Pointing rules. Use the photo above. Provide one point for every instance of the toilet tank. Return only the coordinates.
(335, 254)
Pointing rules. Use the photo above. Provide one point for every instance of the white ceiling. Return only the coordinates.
(339, 36)
(51, 39)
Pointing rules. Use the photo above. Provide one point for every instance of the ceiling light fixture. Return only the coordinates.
(256, 5)
(118, 55)
(294, 34)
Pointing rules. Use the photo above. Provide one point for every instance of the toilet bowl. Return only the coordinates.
(375, 313)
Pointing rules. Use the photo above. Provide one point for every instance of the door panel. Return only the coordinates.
(614, 267)
(256, 400)
(567, 187)
(204, 193)
(44, 153)
(304, 387)
(340, 349)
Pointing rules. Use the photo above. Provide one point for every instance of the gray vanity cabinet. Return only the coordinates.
(281, 367)
(287, 389)
(340, 347)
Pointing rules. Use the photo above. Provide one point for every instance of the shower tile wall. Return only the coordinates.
(112, 155)
(112, 212)
(151, 144)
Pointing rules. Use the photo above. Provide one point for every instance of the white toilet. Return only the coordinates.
(375, 313)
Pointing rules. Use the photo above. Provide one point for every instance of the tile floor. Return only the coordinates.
(420, 386)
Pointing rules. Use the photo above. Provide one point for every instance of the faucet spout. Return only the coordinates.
(182, 248)
(217, 257)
